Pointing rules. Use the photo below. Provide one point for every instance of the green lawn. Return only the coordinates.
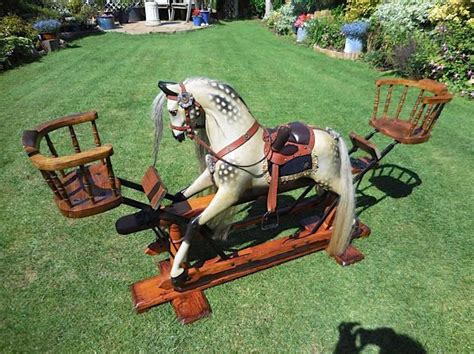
(66, 282)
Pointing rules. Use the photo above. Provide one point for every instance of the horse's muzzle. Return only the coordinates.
(180, 137)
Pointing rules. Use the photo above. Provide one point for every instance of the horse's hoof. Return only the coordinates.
(179, 197)
(180, 279)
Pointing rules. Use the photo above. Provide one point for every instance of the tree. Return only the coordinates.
(268, 8)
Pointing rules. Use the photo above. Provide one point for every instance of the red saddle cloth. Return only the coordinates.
(288, 149)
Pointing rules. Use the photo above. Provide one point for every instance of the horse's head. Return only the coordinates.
(183, 109)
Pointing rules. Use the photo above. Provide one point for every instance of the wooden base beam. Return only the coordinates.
(189, 301)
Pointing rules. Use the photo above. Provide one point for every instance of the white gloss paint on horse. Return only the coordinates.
(227, 118)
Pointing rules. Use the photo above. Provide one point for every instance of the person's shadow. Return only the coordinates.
(353, 339)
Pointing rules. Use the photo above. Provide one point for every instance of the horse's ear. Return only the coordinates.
(165, 87)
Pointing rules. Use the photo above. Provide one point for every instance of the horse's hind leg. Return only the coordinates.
(223, 200)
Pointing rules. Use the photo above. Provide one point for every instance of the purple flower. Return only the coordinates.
(469, 74)
(444, 47)
(442, 29)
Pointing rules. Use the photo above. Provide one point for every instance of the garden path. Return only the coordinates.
(165, 27)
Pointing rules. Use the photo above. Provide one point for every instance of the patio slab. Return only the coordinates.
(165, 27)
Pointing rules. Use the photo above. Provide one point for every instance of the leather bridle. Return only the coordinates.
(186, 101)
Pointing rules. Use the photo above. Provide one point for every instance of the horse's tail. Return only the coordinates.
(157, 117)
(345, 208)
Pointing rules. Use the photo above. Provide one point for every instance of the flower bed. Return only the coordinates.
(414, 38)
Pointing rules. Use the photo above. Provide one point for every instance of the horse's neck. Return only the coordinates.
(222, 131)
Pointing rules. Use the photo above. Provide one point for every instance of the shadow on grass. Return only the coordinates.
(392, 180)
(252, 235)
(354, 339)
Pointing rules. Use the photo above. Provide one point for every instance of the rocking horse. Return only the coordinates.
(244, 161)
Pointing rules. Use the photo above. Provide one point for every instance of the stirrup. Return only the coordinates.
(270, 220)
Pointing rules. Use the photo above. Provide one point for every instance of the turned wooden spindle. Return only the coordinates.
(388, 99)
(175, 239)
(376, 102)
(75, 142)
(49, 181)
(417, 104)
(87, 183)
(60, 188)
(53, 151)
(401, 102)
(95, 133)
(110, 172)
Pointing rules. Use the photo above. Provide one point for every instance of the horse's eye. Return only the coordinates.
(174, 113)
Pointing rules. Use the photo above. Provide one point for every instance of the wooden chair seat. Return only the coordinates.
(83, 183)
(400, 130)
(420, 101)
(81, 205)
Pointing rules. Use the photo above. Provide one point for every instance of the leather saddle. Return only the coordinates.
(288, 149)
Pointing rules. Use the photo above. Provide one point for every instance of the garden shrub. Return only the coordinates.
(257, 7)
(14, 26)
(15, 50)
(407, 15)
(360, 9)
(451, 10)
(325, 32)
(16, 44)
(411, 57)
(454, 62)
(281, 20)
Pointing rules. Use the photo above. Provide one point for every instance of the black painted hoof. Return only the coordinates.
(180, 279)
(179, 197)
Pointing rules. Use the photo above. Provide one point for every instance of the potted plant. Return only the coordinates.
(48, 29)
(206, 7)
(354, 33)
(106, 20)
(197, 19)
(300, 25)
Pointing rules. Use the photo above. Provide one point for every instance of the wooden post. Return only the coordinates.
(175, 239)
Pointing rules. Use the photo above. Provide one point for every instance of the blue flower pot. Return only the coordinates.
(301, 34)
(353, 45)
(197, 20)
(205, 16)
(106, 22)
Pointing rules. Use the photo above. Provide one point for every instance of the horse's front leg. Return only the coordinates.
(202, 182)
(224, 199)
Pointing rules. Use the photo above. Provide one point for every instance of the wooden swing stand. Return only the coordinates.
(189, 301)
(84, 184)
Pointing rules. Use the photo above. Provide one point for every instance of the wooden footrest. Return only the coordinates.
(365, 145)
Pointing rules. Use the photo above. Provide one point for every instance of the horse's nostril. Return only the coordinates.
(174, 113)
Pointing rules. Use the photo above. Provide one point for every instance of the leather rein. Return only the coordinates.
(186, 101)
